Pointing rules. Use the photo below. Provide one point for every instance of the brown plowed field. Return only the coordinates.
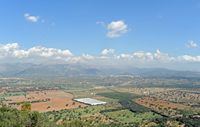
(47, 100)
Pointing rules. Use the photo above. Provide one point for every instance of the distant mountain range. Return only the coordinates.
(76, 70)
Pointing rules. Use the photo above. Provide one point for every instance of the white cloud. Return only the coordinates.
(189, 58)
(191, 44)
(12, 50)
(8, 49)
(147, 56)
(124, 56)
(107, 51)
(116, 29)
(38, 54)
(31, 18)
(48, 52)
(20, 53)
(88, 57)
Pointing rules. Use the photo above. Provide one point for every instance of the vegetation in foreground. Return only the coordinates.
(15, 118)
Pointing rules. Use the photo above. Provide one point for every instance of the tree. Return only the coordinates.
(26, 106)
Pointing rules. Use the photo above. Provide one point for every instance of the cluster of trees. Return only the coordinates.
(126, 100)
(119, 95)
(132, 106)
(10, 117)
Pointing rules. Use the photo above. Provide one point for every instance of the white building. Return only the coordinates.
(90, 101)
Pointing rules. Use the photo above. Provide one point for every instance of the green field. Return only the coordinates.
(119, 95)
(126, 116)
(76, 113)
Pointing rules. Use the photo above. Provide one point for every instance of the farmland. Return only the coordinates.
(43, 101)
(153, 102)
(125, 105)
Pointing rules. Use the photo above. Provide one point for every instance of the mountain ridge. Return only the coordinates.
(76, 70)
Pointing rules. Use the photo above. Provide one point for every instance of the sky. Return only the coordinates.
(135, 30)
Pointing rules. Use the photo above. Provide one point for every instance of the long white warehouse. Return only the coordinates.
(90, 101)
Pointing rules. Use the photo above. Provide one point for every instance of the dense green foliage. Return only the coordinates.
(126, 116)
(119, 95)
(132, 106)
(74, 113)
(126, 100)
(10, 117)
(14, 118)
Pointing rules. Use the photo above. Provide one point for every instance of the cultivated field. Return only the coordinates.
(43, 101)
(157, 103)
(126, 116)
